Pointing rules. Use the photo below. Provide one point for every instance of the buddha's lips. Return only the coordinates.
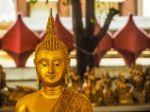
(51, 76)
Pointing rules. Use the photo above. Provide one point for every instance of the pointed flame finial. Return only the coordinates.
(50, 28)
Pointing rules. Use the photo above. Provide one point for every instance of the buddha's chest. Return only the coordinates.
(42, 105)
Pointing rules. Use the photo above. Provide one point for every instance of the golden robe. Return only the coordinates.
(70, 101)
(73, 101)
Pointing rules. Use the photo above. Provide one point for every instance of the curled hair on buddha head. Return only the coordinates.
(50, 42)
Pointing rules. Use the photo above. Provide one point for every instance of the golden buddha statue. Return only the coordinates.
(2, 78)
(124, 91)
(75, 80)
(89, 85)
(137, 79)
(104, 91)
(51, 61)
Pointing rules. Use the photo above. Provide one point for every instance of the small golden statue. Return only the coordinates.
(137, 80)
(51, 61)
(147, 84)
(86, 87)
(124, 91)
(74, 81)
(2, 86)
(104, 90)
(89, 85)
(2, 78)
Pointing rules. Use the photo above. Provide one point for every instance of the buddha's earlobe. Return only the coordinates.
(34, 61)
(66, 79)
(39, 82)
(67, 72)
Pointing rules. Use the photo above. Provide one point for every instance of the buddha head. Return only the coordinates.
(51, 58)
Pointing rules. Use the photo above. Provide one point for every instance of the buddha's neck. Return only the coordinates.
(52, 92)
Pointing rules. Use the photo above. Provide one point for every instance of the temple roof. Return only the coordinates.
(19, 41)
(130, 41)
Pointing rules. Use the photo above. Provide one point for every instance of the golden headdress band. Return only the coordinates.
(50, 42)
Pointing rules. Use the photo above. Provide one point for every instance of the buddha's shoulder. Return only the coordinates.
(79, 96)
(27, 98)
(80, 101)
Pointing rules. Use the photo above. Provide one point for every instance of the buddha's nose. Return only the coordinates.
(51, 69)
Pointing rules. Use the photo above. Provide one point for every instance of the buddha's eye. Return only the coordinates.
(57, 63)
(44, 63)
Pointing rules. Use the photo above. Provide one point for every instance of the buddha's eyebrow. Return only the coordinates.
(56, 58)
(53, 59)
(43, 58)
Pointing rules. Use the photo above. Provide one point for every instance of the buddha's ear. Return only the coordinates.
(68, 71)
(34, 61)
(68, 64)
(68, 61)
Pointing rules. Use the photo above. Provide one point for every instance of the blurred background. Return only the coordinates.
(120, 56)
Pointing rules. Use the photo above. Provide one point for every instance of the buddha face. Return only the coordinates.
(51, 67)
